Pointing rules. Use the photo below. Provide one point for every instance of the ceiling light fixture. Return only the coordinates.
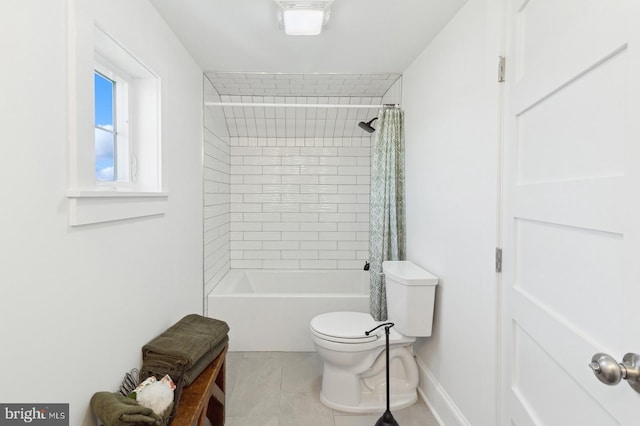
(303, 17)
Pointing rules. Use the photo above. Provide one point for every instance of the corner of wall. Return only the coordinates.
(439, 402)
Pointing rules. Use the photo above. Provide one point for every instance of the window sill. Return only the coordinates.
(90, 206)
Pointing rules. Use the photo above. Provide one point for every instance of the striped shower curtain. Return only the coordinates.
(387, 237)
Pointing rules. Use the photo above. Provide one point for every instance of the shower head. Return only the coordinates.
(367, 126)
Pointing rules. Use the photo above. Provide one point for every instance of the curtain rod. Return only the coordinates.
(276, 105)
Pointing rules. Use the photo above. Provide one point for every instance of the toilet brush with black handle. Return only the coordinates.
(387, 418)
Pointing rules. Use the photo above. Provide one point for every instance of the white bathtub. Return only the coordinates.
(270, 310)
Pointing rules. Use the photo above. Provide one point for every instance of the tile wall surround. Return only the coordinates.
(216, 186)
(299, 203)
(297, 122)
(288, 187)
(302, 84)
(295, 88)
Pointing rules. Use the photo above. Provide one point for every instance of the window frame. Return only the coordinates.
(93, 49)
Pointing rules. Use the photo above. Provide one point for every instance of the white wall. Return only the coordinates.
(451, 99)
(78, 303)
(300, 203)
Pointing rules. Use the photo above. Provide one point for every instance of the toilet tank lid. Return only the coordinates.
(408, 273)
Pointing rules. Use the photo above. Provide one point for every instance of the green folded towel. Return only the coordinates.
(113, 409)
(186, 342)
(159, 368)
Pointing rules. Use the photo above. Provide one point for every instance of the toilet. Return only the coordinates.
(354, 375)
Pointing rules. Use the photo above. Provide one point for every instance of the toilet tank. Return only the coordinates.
(410, 297)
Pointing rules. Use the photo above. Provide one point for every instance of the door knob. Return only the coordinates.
(610, 372)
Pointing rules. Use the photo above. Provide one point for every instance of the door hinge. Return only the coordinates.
(501, 69)
(498, 259)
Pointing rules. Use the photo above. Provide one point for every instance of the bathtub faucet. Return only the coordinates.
(366, 265)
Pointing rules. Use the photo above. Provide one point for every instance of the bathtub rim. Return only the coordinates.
(224, 288)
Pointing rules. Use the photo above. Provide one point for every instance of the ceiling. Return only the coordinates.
(362, 37)
(356, 60)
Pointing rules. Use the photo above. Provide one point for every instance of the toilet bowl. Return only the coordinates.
(354, 374)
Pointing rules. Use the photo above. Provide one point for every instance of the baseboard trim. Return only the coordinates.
(437, 399)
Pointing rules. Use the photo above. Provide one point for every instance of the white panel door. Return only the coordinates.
(571, 278)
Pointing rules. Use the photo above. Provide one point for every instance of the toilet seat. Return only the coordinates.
(345, 327)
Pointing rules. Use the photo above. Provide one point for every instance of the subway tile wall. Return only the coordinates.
(216, 179)
(299, 203)
(297, 84)
(258, 120)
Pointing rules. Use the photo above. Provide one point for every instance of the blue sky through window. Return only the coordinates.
(104, 128)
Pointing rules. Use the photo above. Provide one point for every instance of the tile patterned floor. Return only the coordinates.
(283, 389)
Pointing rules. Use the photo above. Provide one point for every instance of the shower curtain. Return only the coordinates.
(387, 219)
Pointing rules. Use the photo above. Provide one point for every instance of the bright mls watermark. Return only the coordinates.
(34, 414)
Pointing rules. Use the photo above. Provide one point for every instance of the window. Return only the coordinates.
(115, 145)
(105, 130)
(111, 122)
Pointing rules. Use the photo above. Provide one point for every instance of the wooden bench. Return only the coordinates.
(204, 398)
